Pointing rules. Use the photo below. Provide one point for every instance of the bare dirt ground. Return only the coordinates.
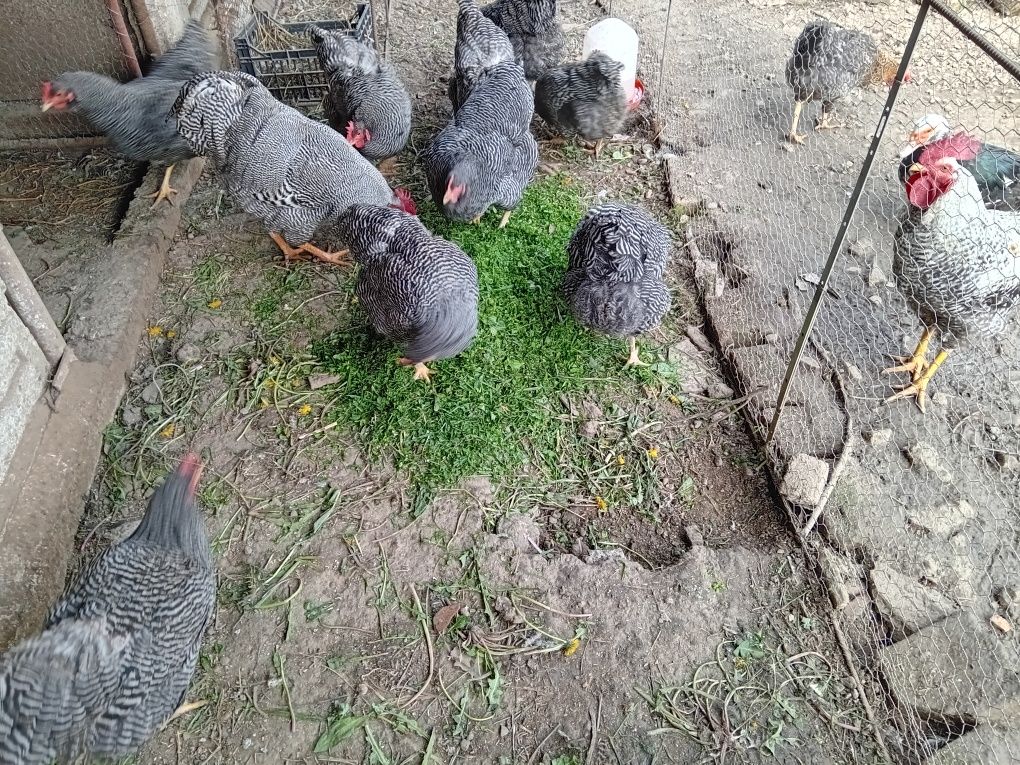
(646, 605)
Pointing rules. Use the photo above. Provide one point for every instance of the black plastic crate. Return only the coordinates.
(293, 74)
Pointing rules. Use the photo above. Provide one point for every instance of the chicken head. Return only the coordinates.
(454, 191)
(927, 183)
(357, 136)
(55, 98)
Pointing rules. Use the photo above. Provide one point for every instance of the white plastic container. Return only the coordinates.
(619, 41)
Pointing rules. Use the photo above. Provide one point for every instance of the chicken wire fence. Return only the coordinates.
(918, 540)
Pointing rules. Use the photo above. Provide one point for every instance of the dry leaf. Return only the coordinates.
(1001, 624)
(444, 617)
(320, 381)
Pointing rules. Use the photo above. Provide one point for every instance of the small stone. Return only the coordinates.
(707, 277)
(588, 430)
(150, 393)
(699, 338)
(879, 437)
(694, 536)
(876, 299)
(720, 390)
(805, 480)
(943, 520)
(1001, 623)
(905, 603)
(925, 456)
(877, 277)
(772, 337)
(131, 415)
(855, 374)
(189, 354)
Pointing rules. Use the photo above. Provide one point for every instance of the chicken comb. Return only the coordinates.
(958, 146)
(191, 467)
(406, 202)
(47, 90)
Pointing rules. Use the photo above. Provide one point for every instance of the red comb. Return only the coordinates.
(191, 466)
(959, 146)
(406, 202)
(47, 89)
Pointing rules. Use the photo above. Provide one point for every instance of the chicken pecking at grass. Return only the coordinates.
(586, 98)
(119, 648)
(956, 262)
(366, 101)
(419, 290)
(534, 31)
(615, 276)
(292, 173)
(995, 168)
(481, 46)
(132, 114)
(829, 62)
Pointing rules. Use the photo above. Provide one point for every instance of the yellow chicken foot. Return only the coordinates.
(916, 362)
(421, 372)
(634, 360)
(505, 219)
(341, 258)
(477, 219)
(919, 388)
(825, 122)
(183, 709)
(793, 136)
(166, 191)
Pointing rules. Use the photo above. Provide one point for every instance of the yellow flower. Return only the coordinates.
(653, 453)
(620, 459)
(270, 383)
(171, 334)
(601, 504)
(155, 331)
(215, 304)
(674, 399)
(168, 431)
(571, 648)
(304, 409)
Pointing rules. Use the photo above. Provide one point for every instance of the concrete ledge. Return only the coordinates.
(56, 459)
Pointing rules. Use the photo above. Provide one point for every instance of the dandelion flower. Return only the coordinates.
(215, 304)
(171, 334)
(304, 410)
(155, 331)
(571, 648)
(653, 453)
(601, 504)
(168, 431)
(621, 459)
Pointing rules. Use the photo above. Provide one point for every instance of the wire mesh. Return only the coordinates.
(919, 539)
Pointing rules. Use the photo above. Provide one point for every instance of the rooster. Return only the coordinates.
(418, 290)
(366, 99)
(119, 648)
(615, 275)
(827, 63)
(956, 262)
(294, 174)
(533, 30)
(132, 114)
(995, 168)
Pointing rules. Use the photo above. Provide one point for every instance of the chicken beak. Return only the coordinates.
(47, 105)
(916, 168)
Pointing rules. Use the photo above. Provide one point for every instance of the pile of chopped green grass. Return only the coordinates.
(493, 408)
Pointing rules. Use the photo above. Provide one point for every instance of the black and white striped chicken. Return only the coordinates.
(615, 281)
(419, 291)
(956, 262)
(292, 173)
(119, 648)
(586, 97)
(534, 31)
(133, 114)
(366, 101)
(480, 47)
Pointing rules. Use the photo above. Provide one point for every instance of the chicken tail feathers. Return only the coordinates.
(193, 54)
(342, 56)
(448, 329)
(172, 519)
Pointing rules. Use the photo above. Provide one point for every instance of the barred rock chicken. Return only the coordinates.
(586, 98)
(292, 173)
(828, 62)
(133, 114)
(419, 290)
(995, 168)
(480, 47)
(956, 262)
(614, 282)
(119, 648)
(486, 155)
(533, 30)
(366, 99)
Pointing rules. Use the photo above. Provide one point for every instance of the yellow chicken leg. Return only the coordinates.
(916, 362)
(341, 258)
(184, 709)
(421, 372)
(634, 360)
(825, 120)
(793, 135)
(505, 219)
(477, 219)
(166, 191)
(918, 389)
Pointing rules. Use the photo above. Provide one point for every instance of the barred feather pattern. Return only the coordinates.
(616, 267)
(958, 263)
(119, 648)
(419, 290)
(828, 62)
(365, 90)
(480, 46)
(133, 114)
(586, 97)
(534, 31)
(292, 173)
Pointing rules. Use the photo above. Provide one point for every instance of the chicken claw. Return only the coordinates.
(477, 219)
(915, 363)
(634, 360)
(919, 388)
(166, 191)
(341, 258)
(421, 372)
(505, 219)
(825, 123)
(793, 136)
